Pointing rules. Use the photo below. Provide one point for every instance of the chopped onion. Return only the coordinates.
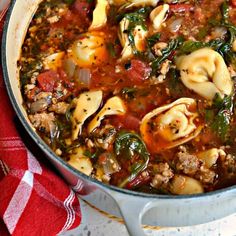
(40, 105)
(84, 76)
(69, 67)
(175, 25)
(109, 163)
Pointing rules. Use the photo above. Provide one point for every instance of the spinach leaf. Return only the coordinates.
(219, 115)
(190, 46)
(129, 92)
(166, 52)
(69, 2)
(153, 39)
(129, 144)
(111, 49)
(225, 11)
(174, 84)
(228, 54)
(92, 155)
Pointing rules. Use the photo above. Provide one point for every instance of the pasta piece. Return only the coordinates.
(139, 38)
(80, 162)
(53, 61)
(134, 3)
(210, 157)
(114, 106)
(205, 72)
(185, 185)
(234, 45)
(158, 15)
(86, 105)
(90, 49)
(99, 15)
(171, 125)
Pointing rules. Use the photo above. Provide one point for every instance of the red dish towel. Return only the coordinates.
(34, 201)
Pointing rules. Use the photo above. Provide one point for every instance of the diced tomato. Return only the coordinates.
(138, 71)
(233, 3)
(129, 122)
(47, 80)
(179, 8)
(139, 180)
(82, 7)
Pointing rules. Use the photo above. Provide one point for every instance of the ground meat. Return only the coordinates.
(59, 108)
(229, 164)
(158, 47)
(187, 163)
(42, 95)
(163, 175)
(105, 136)
(205, 175)
(45, 122)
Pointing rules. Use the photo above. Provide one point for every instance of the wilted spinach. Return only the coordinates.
(166, 52)
(219, 115)
(129, 144)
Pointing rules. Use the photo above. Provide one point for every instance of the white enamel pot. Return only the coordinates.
(161, 210)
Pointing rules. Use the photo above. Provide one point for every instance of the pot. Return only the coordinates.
(134, 207)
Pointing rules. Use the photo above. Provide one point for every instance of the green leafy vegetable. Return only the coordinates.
(111, 49)
(153, 39)
(225, 11)
(175, 86)
(91, 155)
(129, 92)
(219, 115)
(190, 46)
(129, 144)
(70, 2)
(166, 52)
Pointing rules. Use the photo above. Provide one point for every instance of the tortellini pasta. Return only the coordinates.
(53, 61)
(139, 38)
(205, 72)
(86, 105)
(134, 3)
(99, 15)
(90, 49)
(80, 162)
(171, 125)
(114, 106)
(158, 15)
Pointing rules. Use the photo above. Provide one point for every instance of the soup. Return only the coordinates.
(137, 94)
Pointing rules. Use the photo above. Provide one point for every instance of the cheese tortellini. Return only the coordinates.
(205, 72)
(158, 15)
(134, 3)
(99, 15)
(86, 105)
(90, 49)
(113, 106)
(171, 125)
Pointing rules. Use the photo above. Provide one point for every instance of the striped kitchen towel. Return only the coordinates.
(34, 201)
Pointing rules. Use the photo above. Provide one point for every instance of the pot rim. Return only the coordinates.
(50, 154)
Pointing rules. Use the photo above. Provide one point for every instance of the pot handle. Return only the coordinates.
(177, 212)
(133, 214)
